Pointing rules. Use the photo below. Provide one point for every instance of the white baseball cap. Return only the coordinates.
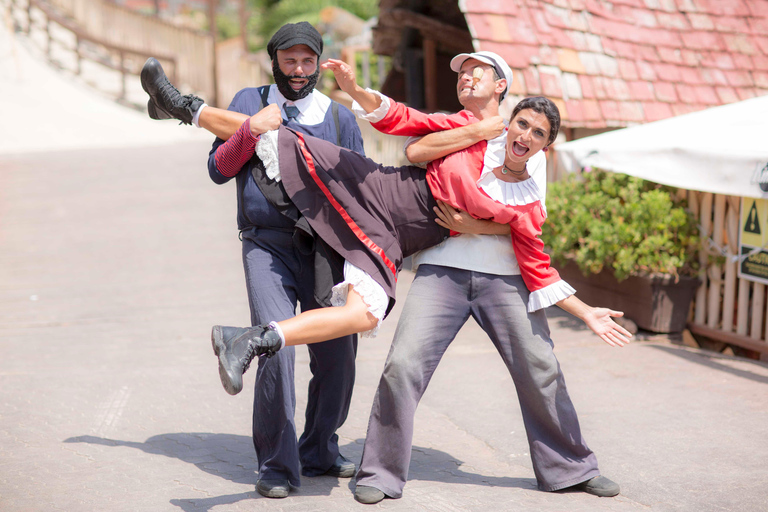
(490, 58)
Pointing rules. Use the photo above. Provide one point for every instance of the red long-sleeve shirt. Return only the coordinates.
(453, 180)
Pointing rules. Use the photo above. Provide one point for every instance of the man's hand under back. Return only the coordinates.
(462, 222)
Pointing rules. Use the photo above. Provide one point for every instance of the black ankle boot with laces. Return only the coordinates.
(236, 347)
(166, 102)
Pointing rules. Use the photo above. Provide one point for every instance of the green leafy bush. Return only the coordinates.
(599, 220)
(274, 14)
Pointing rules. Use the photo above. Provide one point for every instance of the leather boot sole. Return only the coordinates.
(217, 342)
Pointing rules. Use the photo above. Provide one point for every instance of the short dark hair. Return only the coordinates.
(544, 106)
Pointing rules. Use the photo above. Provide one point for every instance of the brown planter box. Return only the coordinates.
(654, 303)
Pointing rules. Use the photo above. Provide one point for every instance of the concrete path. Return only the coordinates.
(118, 254)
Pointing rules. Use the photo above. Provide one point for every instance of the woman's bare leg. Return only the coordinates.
(222, 123)
(236, 347)
(328, 323)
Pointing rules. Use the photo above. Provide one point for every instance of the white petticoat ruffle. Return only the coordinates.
(371, 292)
(266, 149)
(549, 295)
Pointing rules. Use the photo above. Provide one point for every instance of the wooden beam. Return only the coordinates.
(430, 75)
(729, 337)
(447, 36)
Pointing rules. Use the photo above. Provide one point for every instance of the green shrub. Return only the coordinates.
(599, 220)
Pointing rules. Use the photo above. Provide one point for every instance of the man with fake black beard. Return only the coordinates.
(279, 262)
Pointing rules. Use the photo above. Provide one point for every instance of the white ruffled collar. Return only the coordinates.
(508, 193)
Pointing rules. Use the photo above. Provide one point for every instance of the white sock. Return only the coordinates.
(279, 331)
(196, 116)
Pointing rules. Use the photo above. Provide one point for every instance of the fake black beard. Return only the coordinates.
(283, 85)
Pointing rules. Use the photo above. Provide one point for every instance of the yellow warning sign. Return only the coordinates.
(753, 239)
(754, 221)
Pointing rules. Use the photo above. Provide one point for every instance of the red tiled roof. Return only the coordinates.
(620, 62)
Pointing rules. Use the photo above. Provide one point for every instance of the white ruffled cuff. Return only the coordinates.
(517, 193)
(378, 114)
(266, 149)
(549, 295)
(371, 292)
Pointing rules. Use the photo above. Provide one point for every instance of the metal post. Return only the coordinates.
(124, 93)
(366, 62)
(212, 28)
(29, 16)
(48, 33)
(382, 70)
(79, 56)
(244, 25)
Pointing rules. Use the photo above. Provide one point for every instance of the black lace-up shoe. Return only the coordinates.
(342, 468)
(368, 495)
(599, 486)
(273, 488)
(166, 101)
(236, 348)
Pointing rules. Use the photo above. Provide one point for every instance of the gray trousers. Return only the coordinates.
(278, 276)
(439, 302)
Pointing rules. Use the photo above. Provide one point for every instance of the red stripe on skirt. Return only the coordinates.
(351, 223)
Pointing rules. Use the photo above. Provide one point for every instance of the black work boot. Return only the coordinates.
(237, 346)
(156, 113)
(166, 101)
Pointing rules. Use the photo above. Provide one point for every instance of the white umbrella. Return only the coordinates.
(723, 150)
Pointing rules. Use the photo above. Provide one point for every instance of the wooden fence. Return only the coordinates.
(727, 308)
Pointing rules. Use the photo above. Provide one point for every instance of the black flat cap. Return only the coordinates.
(292, 34)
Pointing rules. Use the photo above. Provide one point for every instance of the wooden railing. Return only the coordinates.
(105, 49)
(125, 33)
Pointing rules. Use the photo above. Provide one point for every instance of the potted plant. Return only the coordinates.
(625, 243)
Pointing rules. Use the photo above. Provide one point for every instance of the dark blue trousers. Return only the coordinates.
(277, 277)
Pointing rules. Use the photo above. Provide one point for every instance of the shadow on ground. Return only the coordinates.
(232, 457)
(719, 362)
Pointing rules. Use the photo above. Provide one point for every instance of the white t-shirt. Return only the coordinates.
(490, 254)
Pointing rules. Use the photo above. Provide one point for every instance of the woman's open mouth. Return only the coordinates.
(519, 149)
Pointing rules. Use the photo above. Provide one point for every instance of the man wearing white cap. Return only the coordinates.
(478, 276)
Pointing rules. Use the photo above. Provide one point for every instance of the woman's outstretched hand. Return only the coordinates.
(599, 320)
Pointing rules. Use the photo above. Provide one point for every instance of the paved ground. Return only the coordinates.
(117, 257)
